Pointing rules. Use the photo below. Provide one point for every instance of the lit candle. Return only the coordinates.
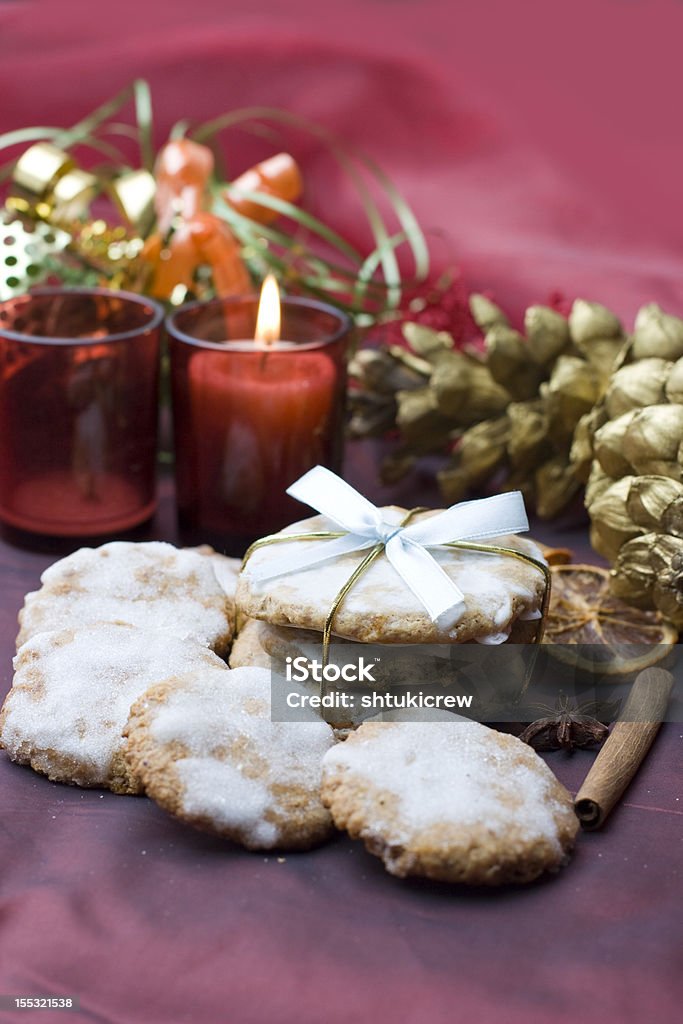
(252, 415)
(269, 315)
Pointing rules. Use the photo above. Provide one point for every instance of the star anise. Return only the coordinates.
(567, 727)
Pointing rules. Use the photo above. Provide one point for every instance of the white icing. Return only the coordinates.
(449, 773)
(494, 639)
(73, 696)
(490, 582)
(236, 758)
(152, 585)
(218, 790)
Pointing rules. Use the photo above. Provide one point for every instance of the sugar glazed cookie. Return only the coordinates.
(247, 648)
(152, 585)
(252, 648)
(72, 693)
(455, 802)
(501, 592)
(208, 753)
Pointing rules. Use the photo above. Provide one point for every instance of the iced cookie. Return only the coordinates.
(500, 592)
(151, 585)
(455, 802)
(72, 692)
(260, 643)
(208, 753)
(247, 648)
(282, 642)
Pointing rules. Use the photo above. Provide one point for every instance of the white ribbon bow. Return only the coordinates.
(405, 546)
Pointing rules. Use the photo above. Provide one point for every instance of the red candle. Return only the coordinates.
(251, 416)
(78, 411)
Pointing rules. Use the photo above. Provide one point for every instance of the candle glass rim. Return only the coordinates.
(156, 318)
(345, 323)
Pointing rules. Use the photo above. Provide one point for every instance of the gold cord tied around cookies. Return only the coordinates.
(464, 526)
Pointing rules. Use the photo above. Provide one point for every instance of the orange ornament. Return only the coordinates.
(188, 235)
(277, 176)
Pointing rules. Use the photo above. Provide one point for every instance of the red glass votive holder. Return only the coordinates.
(250, 418)
(79, 379)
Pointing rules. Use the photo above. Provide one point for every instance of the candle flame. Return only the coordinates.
(268, 317)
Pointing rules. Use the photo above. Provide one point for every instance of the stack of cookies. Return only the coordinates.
(120, 682)
(445, 798)
(503, 597)
(106, 624)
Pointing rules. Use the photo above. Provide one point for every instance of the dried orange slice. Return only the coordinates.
(593, 630)
(555, 556)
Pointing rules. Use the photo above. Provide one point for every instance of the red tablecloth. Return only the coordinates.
(149, 922)
(542, 141)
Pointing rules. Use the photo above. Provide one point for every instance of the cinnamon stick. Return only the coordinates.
(625, 748)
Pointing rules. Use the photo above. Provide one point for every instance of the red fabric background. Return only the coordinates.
(543, 141)
(541, 138)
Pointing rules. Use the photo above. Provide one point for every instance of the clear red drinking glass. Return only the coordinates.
(249, 419)
(79, 377)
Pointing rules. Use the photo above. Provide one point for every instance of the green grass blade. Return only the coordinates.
(295, 213)
(89, 125)
(143, 115)
(414, 235)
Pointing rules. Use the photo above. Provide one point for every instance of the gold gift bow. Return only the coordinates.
(377, 550)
